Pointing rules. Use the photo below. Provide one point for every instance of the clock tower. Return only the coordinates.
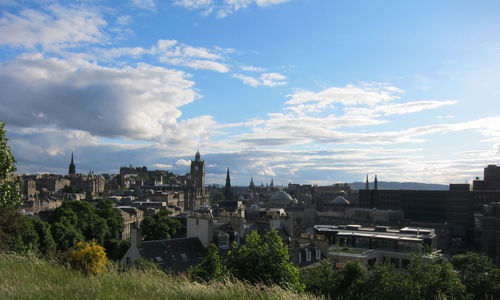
(195, 193)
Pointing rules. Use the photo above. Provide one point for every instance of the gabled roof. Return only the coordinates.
(174, 255)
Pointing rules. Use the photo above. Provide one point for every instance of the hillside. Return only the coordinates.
(31, 278)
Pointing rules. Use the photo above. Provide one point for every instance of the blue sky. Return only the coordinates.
(302, 91)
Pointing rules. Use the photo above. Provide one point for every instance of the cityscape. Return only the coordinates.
(253, 149)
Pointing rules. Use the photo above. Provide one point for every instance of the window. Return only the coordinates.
(184, 257)
(223, 241)
(308, 255)
(318, 253)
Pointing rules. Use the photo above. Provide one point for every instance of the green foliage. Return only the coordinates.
(89, 258)
(82, 217)
(113, 217)
(67, 236)
(46, 243)
(264, 260)
(387, 282)
(335, 283)
(217, 197)
(480, 277)
(211, 267)
(10, 195)
(159, 226)
(115, 249)
(11, 226)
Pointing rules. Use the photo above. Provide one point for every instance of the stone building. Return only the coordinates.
(195, 192)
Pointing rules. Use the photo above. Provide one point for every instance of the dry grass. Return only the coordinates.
(32, 278)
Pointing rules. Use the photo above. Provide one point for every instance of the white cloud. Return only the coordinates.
(163, 166)
(145, 4)
(266, 79)
(124, 20)
(59, 27)
(183, 162)
(253, 69)
(193, 4)
(224, 8)
(134, 102)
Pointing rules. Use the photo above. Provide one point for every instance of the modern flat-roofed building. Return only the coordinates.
(371, 245)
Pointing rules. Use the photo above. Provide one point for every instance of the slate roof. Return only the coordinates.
(174, 255)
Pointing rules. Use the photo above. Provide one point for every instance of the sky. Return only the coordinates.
(300, 91)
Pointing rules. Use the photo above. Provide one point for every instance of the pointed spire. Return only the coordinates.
(272, 182)
(375, 183)
(72, 168)
(252, 185)
(227, 191)
(367, 184)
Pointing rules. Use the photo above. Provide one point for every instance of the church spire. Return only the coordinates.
(272, 182)
(71, 166)
(227, 190)
(252, 185)
(367, 184)
(375, 183)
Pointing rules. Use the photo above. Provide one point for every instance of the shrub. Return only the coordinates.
(88, 257)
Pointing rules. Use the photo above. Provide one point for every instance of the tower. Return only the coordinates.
(195, 193)
(72, 168)
(227, 191)
(375, 183)
(367, 184)
(272, 183)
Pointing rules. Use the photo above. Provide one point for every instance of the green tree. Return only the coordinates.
(9, 187)
(46, 243)
(264, 260)
(11, 226)
(113, 217)
(67, 236)
(387, 282)
(480, 277)
(211, 266)
(83, 217)
(159, 226)
(217, 197)
(322, 280)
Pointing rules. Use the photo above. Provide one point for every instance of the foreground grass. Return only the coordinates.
(32, 278)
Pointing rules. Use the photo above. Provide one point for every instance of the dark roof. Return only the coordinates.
(174, 255)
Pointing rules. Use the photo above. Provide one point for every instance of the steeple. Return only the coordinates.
(375, 183)
(71, 166)
(272, 182)
(227, 190)
(367, 184)
(197, 155)
(252, 185)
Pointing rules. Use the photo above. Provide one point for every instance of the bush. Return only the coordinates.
(89, 258)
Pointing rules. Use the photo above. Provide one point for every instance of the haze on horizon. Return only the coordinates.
(302, 91)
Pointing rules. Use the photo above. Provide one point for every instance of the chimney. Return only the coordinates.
(135, 235)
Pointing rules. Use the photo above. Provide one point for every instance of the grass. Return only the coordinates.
(33, 278)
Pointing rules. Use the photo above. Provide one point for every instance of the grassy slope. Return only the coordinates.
(30, 278)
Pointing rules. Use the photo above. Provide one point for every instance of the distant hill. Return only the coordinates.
(384, 185)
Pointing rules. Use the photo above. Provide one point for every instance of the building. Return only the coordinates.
(491, 180)
(195, 192)
(374, 245)
(172, 256)
(489, 227)
(131, 216)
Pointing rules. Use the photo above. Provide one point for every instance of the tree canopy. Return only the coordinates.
(9, 187)
(159, 226)
(264, 260)
(211, 266)
(480, 277)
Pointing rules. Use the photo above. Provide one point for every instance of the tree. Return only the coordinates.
(9, 187)
(217, 197)
(480, 277)
(159, 226)
(211, 266)
(46, 243)
(264, 260)
(11, 226)
(113, 217)
(83, 217)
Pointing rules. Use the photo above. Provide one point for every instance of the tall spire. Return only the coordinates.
(227, 190)
(272, 182)
(71, 166)
(367, 184)
(252, 185)
(375, 183)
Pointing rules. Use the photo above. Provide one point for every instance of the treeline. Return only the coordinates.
(265, 260)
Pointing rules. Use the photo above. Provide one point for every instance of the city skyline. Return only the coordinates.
(301, 91)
